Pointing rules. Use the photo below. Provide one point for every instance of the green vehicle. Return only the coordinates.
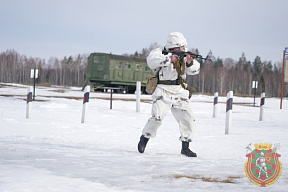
(107, 70)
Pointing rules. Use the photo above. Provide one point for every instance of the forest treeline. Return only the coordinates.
(69, 71)
(216, 75)
(223, 75)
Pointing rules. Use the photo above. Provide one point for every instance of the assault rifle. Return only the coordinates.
(182, 54)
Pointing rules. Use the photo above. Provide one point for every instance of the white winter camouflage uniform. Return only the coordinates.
(170, 97)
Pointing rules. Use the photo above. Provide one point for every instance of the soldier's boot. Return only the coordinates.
(142, 144)
(186, 151)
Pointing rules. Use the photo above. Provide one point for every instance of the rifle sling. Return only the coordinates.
(180, 63)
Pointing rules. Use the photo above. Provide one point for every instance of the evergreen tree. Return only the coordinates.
(211, 56)
(268, 67)
(262, 83)
(136, 54)
(257, 65)
(247, 66)
(241, 63)
(218, 63)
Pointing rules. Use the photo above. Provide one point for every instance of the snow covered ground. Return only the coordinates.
(54, 151)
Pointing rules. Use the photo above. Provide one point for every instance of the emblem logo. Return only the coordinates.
(263, 167)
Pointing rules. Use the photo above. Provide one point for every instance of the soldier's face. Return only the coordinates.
(179, 48)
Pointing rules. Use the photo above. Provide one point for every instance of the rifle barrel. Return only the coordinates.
(184, 54)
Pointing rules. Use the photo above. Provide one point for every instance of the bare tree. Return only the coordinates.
(215, 75)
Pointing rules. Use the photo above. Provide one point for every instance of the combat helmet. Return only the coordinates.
(175, 39)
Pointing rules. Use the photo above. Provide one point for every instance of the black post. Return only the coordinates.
(34, 85)
(111, 98)
(254, 94)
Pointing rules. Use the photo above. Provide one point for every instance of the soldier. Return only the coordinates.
(262, 165)
(169, 94)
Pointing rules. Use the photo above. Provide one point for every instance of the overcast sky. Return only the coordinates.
(45, 28)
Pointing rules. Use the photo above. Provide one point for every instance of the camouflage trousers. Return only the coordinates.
(179, 104)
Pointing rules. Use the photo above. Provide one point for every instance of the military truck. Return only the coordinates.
(108, 70)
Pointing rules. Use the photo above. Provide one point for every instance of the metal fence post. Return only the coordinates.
(229, 112)
(262, 102)
(85, 104)
(215, 104)
(29, 102)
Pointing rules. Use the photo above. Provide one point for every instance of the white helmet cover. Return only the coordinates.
(175, 39)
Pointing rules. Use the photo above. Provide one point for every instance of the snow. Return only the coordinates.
(54, 151)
